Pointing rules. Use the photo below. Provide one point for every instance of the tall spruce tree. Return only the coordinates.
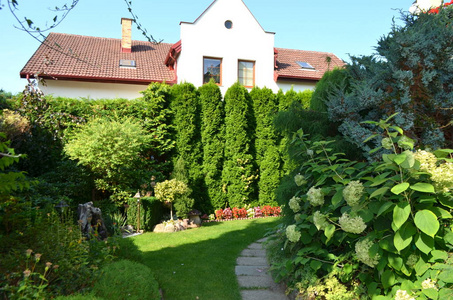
(411, 74)
(186, 121)
(212, 138)
(239, 171)
(265, 107)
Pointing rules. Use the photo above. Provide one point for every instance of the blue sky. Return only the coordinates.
(341, 27)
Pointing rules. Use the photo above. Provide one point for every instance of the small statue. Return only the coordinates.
(90, 221)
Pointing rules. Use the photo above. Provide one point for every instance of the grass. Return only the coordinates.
(199, 263)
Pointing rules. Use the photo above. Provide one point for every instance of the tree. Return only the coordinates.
(265, 107)
(186, 121)
(212, 138)
(239, 171)
(411, 75)
(110, 149)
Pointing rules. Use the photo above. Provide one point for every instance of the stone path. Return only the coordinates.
(253, 277)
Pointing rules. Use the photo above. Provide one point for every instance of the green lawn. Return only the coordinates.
(199, 263)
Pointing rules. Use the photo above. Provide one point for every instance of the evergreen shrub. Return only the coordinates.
(126, 279)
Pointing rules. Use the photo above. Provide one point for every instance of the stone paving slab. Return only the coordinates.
(257, 246)
(251, 261)
(261, 240)
(262, 295)
(256, 282)
(253, 252)
(252, 270)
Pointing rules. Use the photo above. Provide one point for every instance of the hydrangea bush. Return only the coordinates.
(376, 231)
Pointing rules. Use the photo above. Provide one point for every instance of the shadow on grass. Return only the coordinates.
(200, 263)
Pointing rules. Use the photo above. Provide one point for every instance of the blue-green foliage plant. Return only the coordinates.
(410, 74)
(378, 230)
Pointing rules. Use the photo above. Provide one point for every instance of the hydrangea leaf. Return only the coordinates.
(424, 243)
(399, 188)
(426, 221)
(423, 187)
(401, 213)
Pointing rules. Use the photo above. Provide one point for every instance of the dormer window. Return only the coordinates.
(127, 63)
(305, 65)
(228, 24)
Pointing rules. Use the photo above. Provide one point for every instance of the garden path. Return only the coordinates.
(252, 273)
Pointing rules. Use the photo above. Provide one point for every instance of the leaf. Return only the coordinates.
(421, 267)
(438, 255)
(336, 199)
(440, 212)
(395, 262)
(449, 238)
(384, 208)
(424, 243)
(399, 188)
(329, 231)
(400, 158)
(403, 237)
(401, 213)
(379, 192)
(426, 221)
(315, 264)
(410, 160)
(431, 293)
(423, 187)
(388, 279)
(446, 275)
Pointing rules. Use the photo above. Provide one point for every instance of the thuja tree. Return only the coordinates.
(239, 171)
(411, 74)
(212, 137)
(356, 230)
(265, 107)
(186, 122)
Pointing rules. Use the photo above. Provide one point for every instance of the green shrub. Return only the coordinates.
(79, 297)
(331, 82)
(378, 229)
(152, 212)
(126, 279)
(110, 149)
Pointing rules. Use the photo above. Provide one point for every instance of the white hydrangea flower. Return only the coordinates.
(292, 234)
(443, 177)
(299, 180)
(427, 160)
(352, 224)
(353, 192)
(403, 295)
(315, 196)
(310, 152)
(320, 220)
(429, 284)
(294, 204)
(387, 143)
(362, 250)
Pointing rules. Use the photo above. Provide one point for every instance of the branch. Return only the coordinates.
(9, 155)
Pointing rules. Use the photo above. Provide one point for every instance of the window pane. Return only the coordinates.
(212, 70)
(246, 73)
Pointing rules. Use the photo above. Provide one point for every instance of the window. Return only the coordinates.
(127, 63)
(228, 24)
(246, 73)
(305, 65)
(212, 69)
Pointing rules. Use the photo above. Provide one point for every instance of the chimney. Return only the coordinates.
(126, 38)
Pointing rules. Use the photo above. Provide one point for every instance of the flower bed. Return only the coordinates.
(228, 214)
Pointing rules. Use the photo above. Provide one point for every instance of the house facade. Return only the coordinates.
(424, 5)
(225, 44)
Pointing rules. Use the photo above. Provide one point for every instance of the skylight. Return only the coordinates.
(127, 63)
(305, 65)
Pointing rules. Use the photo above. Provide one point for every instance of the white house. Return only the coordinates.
(226, 44)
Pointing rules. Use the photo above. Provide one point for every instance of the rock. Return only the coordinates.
(195, 220)
(159, 228)
(169, 228)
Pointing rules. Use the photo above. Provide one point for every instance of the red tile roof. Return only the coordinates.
(287, 67)
(75, 57)
(84, 58)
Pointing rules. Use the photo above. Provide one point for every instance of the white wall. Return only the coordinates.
(92, 90)
(297, 86)
(424, 5)
(209, 37)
